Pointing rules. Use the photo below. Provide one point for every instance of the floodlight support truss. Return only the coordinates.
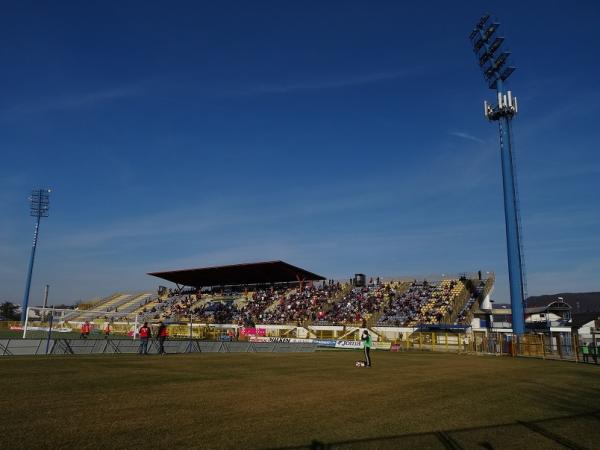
(496, 72)
(39, 208)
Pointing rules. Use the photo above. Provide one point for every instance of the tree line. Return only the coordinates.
(9, 311)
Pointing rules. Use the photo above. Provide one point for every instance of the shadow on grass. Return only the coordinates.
(578, 431)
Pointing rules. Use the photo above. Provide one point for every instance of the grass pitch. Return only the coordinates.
(407, 400)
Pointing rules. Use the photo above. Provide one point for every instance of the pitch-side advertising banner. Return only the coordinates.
(253, 331)
(57, 330)
(382, 345)
(348, 344)
(280, 340)
(324, 342)
(353, 345)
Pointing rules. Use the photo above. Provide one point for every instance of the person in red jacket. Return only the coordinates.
(107, 330)
(85, 330)
(145, 335)
(163, 333)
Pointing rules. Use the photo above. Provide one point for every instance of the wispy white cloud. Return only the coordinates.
(371, 193)
(467, 136)
(552, 170)
(584, 104)
(68, 102)
(148, 226)
(324, 84)
(243, 250)
(563, 215)
(579, 278)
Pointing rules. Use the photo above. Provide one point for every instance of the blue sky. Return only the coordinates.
(339, 136)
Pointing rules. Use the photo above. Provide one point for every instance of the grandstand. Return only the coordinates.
(279, 294)
(387, 304)
(285, 301)
(121, 303)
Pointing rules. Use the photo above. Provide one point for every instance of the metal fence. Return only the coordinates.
(34, 347)
(560, 346)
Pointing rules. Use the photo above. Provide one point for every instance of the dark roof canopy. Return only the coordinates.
(239, 274)
(580, 302)
(578, 320)
(551, 307)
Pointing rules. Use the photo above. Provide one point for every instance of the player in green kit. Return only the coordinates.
(367, 342)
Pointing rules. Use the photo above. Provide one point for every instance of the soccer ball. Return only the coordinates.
(359, 364)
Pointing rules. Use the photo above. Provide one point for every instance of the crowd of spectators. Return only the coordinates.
(218, 312)
(358, 304)
(327, 303)
(464, 313)
(298, 305)
(172, 307)
(268, 306)
(241, 309)
(422, 303)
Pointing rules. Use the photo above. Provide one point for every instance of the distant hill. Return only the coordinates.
(582, 302)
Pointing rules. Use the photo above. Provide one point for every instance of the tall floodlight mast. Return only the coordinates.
(40, 204)
(496, 70)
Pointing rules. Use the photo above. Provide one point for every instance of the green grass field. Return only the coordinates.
(407, 400)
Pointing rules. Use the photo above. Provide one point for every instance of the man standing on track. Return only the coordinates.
(367, 342)
(162, 337)
(145, 335)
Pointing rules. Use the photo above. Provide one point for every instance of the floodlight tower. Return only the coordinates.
(40, 204)
(496, 70)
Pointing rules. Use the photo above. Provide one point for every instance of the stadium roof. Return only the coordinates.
(580, 302)
(551, 307)
(239, 274)
(578, 320)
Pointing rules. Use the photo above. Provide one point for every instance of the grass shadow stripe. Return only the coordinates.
(552, 436)
(447, 441)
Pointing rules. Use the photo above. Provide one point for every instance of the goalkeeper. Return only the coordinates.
(367, 342)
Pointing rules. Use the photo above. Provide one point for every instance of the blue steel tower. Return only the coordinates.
(40, 204)
(496, 70)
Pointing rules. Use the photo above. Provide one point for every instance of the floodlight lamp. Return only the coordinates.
(477, 46)
(479, 26)
(507, 72)
(483, 20)
(485, 57)
(495, 45)
(501, 60)
(492, 28)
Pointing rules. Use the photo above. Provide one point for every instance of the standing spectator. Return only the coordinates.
(85, 330)
(586, 352)
(367, 342)
(594, 352)
(162, 333)
(107, 329)
(145, 335)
